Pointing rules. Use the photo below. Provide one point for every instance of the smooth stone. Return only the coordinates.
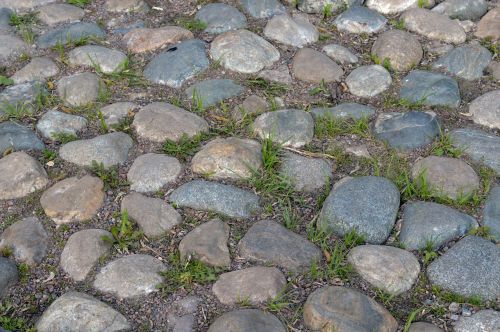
(344, 111)
(54, 122)
(482, 147)
(485, 109)
(211, 92)
(367, 205)
(255, 285)
(491, 213)
(115, 113)
(106, 59)
(28, 240)
(130, 276)
(340, 54)
(79, 89)
(287, 127)
(153, 215)
(489, 26)
(359, 19)
(23, 4)
(391, 6)
(368, 81)
(247, 320)
(82, 252)
(344, 309)
(228, 158)
(317, 6)
(17, 137)
(73, 312)
(407, 131)
(22, 95)
(60, 13)
(388, 268)
(494, 70)
(312, 66)
(278, 75)
(5, 14)
(486, 320)
(467, 62)
(433, 25)
(208, 243)
(427, 223)
(431, 89)
(424, 327)
(243, 51)
(293, 31)
(68, 33)
(178, 64)
(145, 39)
(220, 18)
(11, 47)
(20, 175)
(401, 48)
(109, 149)
(160, 121)
(126, 6)
(73, 199)
(462, 9)
(268, 242)
(447, 176)
(151, 171)
(306, 174)
(470, 268)
(8, 275)
(39, 69)
(225, 199)
(263, 8)
(253, 104)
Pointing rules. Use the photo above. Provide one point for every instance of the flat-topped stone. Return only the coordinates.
(401, 48)
(79, 89)
(312, 66)
(247, 320)
(151, 171)
(482, 147)
(263, 8)
(344, 111)
(306, 174)
(17, 137)
(368, 81)
(56, 13)
(211, 92)
(11, 47)
(359, 19)
(467, 62)
(391, 6)
(220, 17)
(294, 31)
(20, 96)
(340, 54)
(149, 39)
(485, 109)
(430, 88)
(424, 327)
(462, 9)
(54, 122)
(318, 6)
(489, 26)
(68, 33)
(117, 112)
(491, 213)
(23, 4)
(106, 59)
(39, 69)
(486, 320)
(126, 6)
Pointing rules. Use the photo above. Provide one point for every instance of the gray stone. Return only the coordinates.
(494, 70)
(20, 97)
(109, 149)
(115, 113)
(11, 47)
(487, 320)
(8, 275)
(208, 243)
(278, 75)
(431, 89)
(220, 198)
(368, 81)
(20, 175)
(123, 30)
(358, 19)
(153, 215)
(178, 64)
(407, 131)
(491, 213)
(247, 320)
(263, 8)
(344, 111)
(79, 89)
(17, 137)
(211, 92)
(489, 27)
(106, 59)
(54, 122)
(344, 309)
(462, 9)
(243, 51)
(28, 240)
(60, 13)
(142, 40)
(268, 242)
(182, 314)
(424, 327)
(312, 66)
(220, 18)
(431, 223)
(317, 6)
(293, 31)
(73, 312)
(23, 4)
(151, 171)
(251, 105)
(368, 205)
(68, 33)
(467, 62)
(288, 127)
(82, 252)
(306, 174)
(130, 276)
(126, 6)
(485, 110)
(470, 268)
(482, 147)
(340, 54)
(391, 6)
(401, 48)
(39, 69)
(5, 14)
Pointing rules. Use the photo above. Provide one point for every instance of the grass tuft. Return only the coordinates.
(330, 127)
(185, 147)
(123, 236)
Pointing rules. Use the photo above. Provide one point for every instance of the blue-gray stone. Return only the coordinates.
(491, 213)
(467, 62)
(178, 63)
(470, 268)
(220, 18)
(369, 205)
(210, 92)
(482, 147)
(359, 19)
(8, 275)
(407, 131)
(125, 29)
(263, 8)
(20, 97)
(427, 222)
(462, 9)
(430, 89)
(344, 111)
(17, 137)
(216, 197)
(70, 32)
(5, 14)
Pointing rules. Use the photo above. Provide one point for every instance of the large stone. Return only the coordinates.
(306, 174)
(489, 26)
(485, 110)
(130, 276)
(60, 13)
(462, 9)
(268, 242)
(109, 149)
(243, 51)
(17, 137)
(431, 89)
(359, 19)
(263, 8)
(69, 33)
(368, 81)
(20, 175)
(117, 112)
(388, 268)
(28, 240)
(428, 223)
(79, 89)
(247, 320)
(73, 199)
(367, 205)
(211, 92)
(23, 4)
(105, 59)
(293, 31)
(470, 268)
(491, 213)
(312, 66)
(54, 122)
(340, 54)
(344, 111)
(482, 147)
(220, 198)
(11, 47)
(467, 62)
(487, 320)
(154, 216)
(391, 6)
(160, 121)
(145, 39)
(8, 275)
(151, 171)
(126, 6)
(21, 97)
(342, 309)
(39, 69)
(208, 243)
(401, 48)
(220, 18)
(82, 252)
(74, 312)
(288, 127)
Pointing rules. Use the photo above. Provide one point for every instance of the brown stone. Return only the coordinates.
(489, 26)
(312, 66)
(401, 48)
(145, 39)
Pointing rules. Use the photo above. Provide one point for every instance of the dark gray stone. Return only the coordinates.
(480, 146)
(8, 275)
(344, 111)
(359, 19)
(368, 205)
(70, 32)
(211, 92)
(17, 137)
(467, 62)
(263, 8)
(20, 96)
(220, 18)
(491, 213)
(462, 9)
(247, 320)
(431, 89)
